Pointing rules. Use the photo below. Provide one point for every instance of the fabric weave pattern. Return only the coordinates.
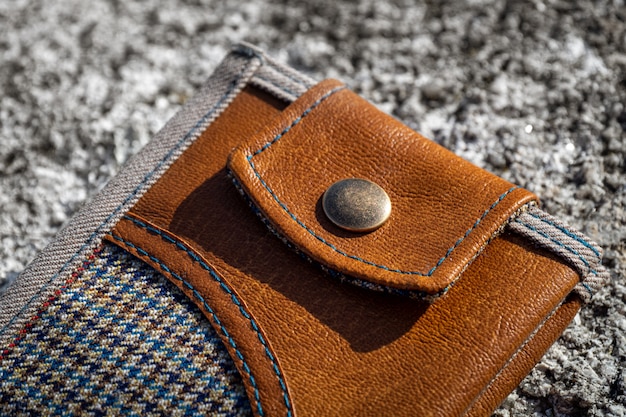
(119, 338)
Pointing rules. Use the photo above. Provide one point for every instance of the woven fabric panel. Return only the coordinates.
(118, 338)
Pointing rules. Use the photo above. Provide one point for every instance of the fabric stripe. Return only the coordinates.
(584, 255)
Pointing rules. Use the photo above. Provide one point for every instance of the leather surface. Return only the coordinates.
(444, 209)
(339, 349)
(524, 360)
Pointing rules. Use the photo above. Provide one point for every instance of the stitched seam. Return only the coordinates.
(196, 294)
(352, 280)
(149, 175)
(330, 245)
(566, 247)
(568, 233)
(587, 287)
(273, 84)
(226, 289)
(356, 258)
(294, 123)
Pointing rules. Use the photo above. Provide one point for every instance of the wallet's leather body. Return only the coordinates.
(314, 345)
(451, 308)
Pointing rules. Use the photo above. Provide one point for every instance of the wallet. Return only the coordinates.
(284, 248)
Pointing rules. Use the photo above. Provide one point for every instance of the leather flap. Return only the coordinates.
(444, 209)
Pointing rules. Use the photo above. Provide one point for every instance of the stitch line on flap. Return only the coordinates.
(296, 121)
(335, 274)
(332, 246)
(231, 88)
(225, 288)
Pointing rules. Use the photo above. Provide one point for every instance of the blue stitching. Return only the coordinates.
(296, 121)
(209, 309)
(149, 175)
(331, 272)
(226, 289)
(330, 245)
(285, 89)
(558, 242)
(582, 258)
(568, 233)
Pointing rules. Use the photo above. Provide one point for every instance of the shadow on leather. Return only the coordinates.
(217, 219)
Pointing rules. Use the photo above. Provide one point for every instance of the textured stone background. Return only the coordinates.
(534, 91)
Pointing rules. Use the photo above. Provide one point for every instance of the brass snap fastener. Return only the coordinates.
(357, 205)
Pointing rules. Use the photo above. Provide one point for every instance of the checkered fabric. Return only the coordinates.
(118, 339)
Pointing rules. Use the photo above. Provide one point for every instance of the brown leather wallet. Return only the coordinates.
(440, 311)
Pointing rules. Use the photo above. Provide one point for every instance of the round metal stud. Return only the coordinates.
(357, 205)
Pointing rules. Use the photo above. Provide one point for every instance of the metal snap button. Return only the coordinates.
(357, 205)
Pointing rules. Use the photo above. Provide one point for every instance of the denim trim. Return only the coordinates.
(283, 82)
(578, 251)
(568, 233)
(274, 84)
(561, 244)
(284, 93)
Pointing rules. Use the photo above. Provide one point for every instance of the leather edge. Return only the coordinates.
(243, 338)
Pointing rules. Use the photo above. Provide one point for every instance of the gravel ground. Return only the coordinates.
(534, 91)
